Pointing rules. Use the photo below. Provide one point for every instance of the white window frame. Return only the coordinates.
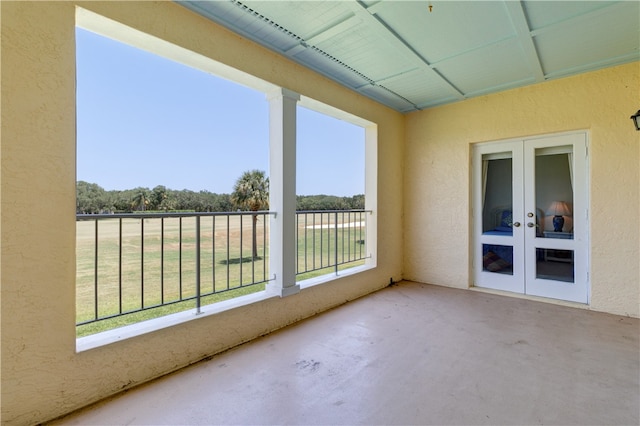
(282, 176)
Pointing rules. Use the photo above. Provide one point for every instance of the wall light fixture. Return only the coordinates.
(636, 119)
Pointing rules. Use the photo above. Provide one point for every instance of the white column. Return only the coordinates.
(371, 191)
(282, 191)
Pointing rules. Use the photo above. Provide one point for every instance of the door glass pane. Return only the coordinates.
(497, 258)
(554, 192)
(497, 197)
(552, 264)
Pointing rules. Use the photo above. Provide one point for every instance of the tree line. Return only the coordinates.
(92, 198)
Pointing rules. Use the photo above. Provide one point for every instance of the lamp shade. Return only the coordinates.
(559, 208)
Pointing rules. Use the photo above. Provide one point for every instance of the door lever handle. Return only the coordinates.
(516, 224)
(530, 225)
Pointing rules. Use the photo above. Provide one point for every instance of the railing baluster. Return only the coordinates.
(198, 301)
(95, 271)
(180, 258)
(349, 221)
(314, 242)
(306, 249)
(241, 234)
(120, 265)
(342, 224)
(264, 247)
(228, 252)
(329, 240)
(321, 240)
(327, 231)
(162, 260)
(366, 223)
(336, 242)
(254, 241)
(213, 254)
(142, 262)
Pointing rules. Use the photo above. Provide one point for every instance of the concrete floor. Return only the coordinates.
(409, 354)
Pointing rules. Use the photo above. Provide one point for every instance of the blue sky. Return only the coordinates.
(143, 120)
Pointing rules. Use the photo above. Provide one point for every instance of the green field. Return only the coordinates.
(158, 263)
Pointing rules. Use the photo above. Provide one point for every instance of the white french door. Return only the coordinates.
(530, 216)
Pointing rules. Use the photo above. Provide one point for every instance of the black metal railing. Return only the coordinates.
(145, 265)
(128, 263)
(329, 239)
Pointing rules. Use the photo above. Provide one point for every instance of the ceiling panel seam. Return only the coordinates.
(521, 26)
(618, 60)
(577, 19)
(501, 87)
(334, 30)
(395, 77)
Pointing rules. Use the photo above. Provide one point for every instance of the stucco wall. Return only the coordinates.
(42, 375)
(437, 176)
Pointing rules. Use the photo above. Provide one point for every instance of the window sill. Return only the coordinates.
(312, 282)
(129, 331)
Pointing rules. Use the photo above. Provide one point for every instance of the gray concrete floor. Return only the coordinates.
(409, 354)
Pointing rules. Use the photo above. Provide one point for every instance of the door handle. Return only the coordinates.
(530, 225)
(516, 224)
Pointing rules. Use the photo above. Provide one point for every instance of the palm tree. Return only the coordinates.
(251, 192)
(140, 199)
(158, 197)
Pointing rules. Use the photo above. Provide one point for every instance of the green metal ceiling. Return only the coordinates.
(409, 58)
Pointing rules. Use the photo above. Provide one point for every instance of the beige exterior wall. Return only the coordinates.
(427, 153)
(42, 375)
(437, 176)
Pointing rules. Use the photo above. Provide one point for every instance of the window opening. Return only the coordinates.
(160, 147)
(330, 188)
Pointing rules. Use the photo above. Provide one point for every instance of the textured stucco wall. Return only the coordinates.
(437, 176)
(42, 375)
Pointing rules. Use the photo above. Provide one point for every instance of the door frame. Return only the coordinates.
(517, 283)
